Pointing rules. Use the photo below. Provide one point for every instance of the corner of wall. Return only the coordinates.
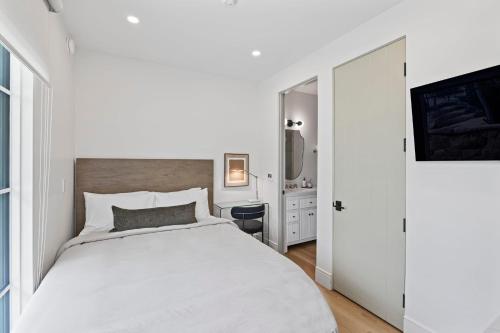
(412, 326)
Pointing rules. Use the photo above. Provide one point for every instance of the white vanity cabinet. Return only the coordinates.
(307, 224)
(300, 218)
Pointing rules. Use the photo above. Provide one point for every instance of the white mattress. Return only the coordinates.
(206, 277)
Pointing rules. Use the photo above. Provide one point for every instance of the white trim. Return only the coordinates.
(4, 291)
(282, 247)
(5, 90)
(273, 245)
(27, 171)
(5, 190)
(300, 241)
(413, 326)
(15, 196)
(324, 278)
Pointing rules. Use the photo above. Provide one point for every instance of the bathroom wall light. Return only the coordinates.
(290, 123)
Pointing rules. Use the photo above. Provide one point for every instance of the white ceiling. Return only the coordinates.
(205, 35)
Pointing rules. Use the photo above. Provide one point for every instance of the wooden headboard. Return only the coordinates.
(106, 176)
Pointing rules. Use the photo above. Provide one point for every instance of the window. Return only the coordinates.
(4, 189)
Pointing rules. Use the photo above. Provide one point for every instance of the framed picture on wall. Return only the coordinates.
(236, 170)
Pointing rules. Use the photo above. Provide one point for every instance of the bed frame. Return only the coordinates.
(106, 176)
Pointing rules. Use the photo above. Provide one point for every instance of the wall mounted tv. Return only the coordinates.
(458, 119)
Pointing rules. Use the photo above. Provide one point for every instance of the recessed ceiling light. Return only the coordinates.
(133, 19)
(256, 53)
(230, 3)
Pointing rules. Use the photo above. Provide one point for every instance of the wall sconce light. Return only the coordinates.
(290, 123)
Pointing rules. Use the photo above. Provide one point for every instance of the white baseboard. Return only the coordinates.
(413, 326)
(274, 246)
(324, 278)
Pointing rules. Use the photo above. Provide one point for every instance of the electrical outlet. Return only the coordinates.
(270, 176)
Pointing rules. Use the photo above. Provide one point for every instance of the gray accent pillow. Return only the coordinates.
(127, 219)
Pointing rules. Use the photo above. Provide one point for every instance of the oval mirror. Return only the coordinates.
(294, 154)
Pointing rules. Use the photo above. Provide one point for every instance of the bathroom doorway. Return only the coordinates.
(299, 167)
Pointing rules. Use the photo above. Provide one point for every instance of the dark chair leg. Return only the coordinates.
(262, 229)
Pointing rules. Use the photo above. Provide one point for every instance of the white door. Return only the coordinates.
(293, 232)
(304, 224)
(307, 223)
(369, 180)
(313, 220)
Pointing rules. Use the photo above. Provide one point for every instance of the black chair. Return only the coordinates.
(246, 219)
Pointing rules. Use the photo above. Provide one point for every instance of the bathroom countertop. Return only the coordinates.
(297, 192)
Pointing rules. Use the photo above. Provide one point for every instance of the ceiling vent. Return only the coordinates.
(55, 6)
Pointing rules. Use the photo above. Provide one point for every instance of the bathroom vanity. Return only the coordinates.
(300, 216)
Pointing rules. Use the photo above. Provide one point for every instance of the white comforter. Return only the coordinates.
(206, 277)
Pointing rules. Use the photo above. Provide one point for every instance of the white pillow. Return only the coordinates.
(200, 196)
(98, 212)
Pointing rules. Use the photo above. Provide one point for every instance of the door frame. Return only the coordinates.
(282, 248)
(406, 155)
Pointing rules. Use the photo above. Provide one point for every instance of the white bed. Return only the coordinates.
(204, 277)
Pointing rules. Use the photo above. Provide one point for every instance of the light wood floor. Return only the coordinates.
(351, 317)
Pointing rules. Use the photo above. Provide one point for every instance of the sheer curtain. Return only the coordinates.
(42, 149)
(30, 111)
(25, 158)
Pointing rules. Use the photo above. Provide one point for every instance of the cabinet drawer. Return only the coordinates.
(307, 202)
(292, 204)
(292, 216)
(293, 232)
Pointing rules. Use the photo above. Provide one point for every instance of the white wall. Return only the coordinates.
(452, 207)
(39, 37)
(304, 107)
(60, 214)
(127, 108)
(132, 109)
(24, 28)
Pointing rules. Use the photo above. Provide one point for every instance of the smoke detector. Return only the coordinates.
(230, 3)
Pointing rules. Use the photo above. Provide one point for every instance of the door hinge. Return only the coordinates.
(404, 145)
(283, 192)
(404, 225)
(404, 301)
(404, 69)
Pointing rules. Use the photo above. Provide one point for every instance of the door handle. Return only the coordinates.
(338, 206)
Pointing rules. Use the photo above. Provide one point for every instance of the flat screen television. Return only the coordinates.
(458, 119)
